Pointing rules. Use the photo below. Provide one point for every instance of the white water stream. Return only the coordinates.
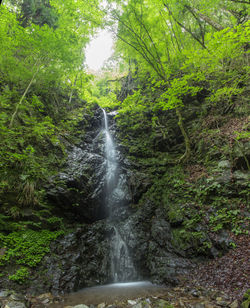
(122, 268)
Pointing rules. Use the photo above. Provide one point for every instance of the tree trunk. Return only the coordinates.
(185, 157)
(72, 91)
(240, 1)
(204, 17)
(23, 96)
(184, 27)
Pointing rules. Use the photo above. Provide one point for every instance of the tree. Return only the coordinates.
(38, 61)
(161, 35)
(139, 29)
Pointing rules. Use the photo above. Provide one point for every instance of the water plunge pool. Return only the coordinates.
(111, 293)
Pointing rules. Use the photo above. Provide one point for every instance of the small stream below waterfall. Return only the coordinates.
(111, 293)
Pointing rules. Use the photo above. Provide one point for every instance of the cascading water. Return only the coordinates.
(122, 268)
(122, 271)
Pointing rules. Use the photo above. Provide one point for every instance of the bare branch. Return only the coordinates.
(185, 28)
(204, 17)
(239, 1)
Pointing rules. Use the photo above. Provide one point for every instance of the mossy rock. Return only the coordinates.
(182, 239)
(175, 215)
(192, 243)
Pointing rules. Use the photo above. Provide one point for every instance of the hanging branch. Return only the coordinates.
(185, 28)
(143, 54)
(144, 48)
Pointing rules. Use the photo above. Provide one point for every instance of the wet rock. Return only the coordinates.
(234, 304)
(82, 257)
(77, 260)
(45, 296)
(16, 297)
(82, 175)
(5, 293)
(224, 164)
(132, 302)
(162, 304)
(139, 305)
(102, 305)
(15, 304)
(195, 293)
(198, 305)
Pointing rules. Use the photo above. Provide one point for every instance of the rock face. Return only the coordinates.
(83, 257)
(11, 299)
(77, 190)
(79, 259)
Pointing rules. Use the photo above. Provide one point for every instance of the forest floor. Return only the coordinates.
(229, 273)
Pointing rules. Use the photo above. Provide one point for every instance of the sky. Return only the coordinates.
(99, 50)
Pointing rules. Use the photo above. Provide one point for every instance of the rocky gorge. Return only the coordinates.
(127, 186)
(165, 245)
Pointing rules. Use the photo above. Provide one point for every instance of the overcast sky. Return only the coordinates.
(99, 50)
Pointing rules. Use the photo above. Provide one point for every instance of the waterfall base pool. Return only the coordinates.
(111, 293)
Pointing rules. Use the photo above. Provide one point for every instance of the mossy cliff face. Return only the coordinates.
(172, 215)
(202, 201)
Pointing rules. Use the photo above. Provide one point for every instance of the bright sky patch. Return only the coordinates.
(99, 50)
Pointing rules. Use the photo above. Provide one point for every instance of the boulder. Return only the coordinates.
(15, 304)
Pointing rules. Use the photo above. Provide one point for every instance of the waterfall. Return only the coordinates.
(122, 268)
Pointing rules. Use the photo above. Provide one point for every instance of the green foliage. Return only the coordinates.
(243, 135)
(178, 89)
(174, 52)
(246, 299)
(21, 275)
(41, 82)
(26, 247)
(193, 242)
(224, 218)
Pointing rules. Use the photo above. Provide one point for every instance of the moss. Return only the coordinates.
(21, 275)
(193, 243)
(25, 248)
(175, 215)
(181, 239)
